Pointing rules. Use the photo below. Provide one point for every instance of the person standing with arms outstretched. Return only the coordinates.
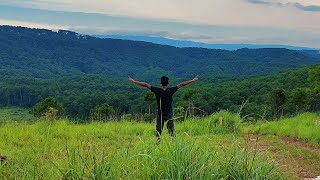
(164, 102)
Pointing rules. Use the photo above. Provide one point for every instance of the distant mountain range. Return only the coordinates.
(178, 43)
(47, 54)
(82, 72)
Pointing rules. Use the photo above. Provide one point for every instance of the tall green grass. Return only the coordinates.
(9, 114)
(210, 125)
(128, 150)
(305, 126)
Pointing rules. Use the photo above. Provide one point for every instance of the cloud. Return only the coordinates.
(306, 8)
(258, 2)
(210, 21)
(312, 8)
(32, 24)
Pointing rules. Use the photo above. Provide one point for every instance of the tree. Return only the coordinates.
(103, 112)
(179, 113)
(149, 99)
(278, 100)
(49, 105)
(314, 75)
(188, 96)
(299, 100)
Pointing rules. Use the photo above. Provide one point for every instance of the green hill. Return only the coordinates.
(47, 54)
(82, 72)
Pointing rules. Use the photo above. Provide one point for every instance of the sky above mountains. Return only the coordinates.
(290, 22)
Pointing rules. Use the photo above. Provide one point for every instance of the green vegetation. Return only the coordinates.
(128, 150)
(293, 143)
(46, 54)
(63, 74)
(46, 106)
(103, 112)
(305, 127)
(296, 159)
(79, 95)
(14, 114)
(83, 72)
(203, 149)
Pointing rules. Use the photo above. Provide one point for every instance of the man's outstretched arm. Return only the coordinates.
(187, 82)
(143, 84)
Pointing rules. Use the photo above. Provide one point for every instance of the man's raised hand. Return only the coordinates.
(130, 79)
(196, 78)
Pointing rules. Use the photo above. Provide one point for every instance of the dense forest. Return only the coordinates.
(84, 75)
(80, 95)
(47, 54)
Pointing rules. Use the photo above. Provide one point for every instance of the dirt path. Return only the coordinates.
(300, 144)
(295, 158)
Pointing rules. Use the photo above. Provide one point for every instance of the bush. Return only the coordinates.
(148, 117)
(127, 117)
(179, 113)
(49, 108)
(103, 112)
(230, 122)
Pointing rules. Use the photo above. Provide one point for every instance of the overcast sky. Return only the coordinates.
(288, 22)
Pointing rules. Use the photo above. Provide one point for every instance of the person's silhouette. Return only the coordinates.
(164, 102)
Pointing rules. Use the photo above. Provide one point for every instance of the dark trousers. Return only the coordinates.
(160, 124)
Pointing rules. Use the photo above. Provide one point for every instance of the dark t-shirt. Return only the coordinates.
(165, 97)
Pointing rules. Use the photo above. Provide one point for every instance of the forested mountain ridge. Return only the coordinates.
(46, 54)
(83, 73)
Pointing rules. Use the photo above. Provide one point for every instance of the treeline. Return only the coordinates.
(269, 97)
(265, 97)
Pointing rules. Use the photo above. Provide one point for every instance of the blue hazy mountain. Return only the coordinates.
(179, 43)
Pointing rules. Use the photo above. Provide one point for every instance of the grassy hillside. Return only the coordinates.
(202, 149)
(14, 114)
(294, 143)
(305, 127)
(128, 150)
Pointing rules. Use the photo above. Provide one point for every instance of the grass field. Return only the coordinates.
(202, 149)
(293, 143)
(16, 115)
(305, 127)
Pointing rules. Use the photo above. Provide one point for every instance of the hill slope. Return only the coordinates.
(46, 54)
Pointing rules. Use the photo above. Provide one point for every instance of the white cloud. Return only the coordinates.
(303, 2)
(32, 25)
(222, 12)
(287, 4)
(211, 21)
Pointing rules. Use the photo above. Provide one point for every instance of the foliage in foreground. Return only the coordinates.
(305, 126)
(127, 150)
(181, 159)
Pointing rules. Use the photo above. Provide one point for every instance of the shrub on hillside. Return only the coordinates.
(224, 122)
(103, 112)
(127, 117)
(49, 107)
